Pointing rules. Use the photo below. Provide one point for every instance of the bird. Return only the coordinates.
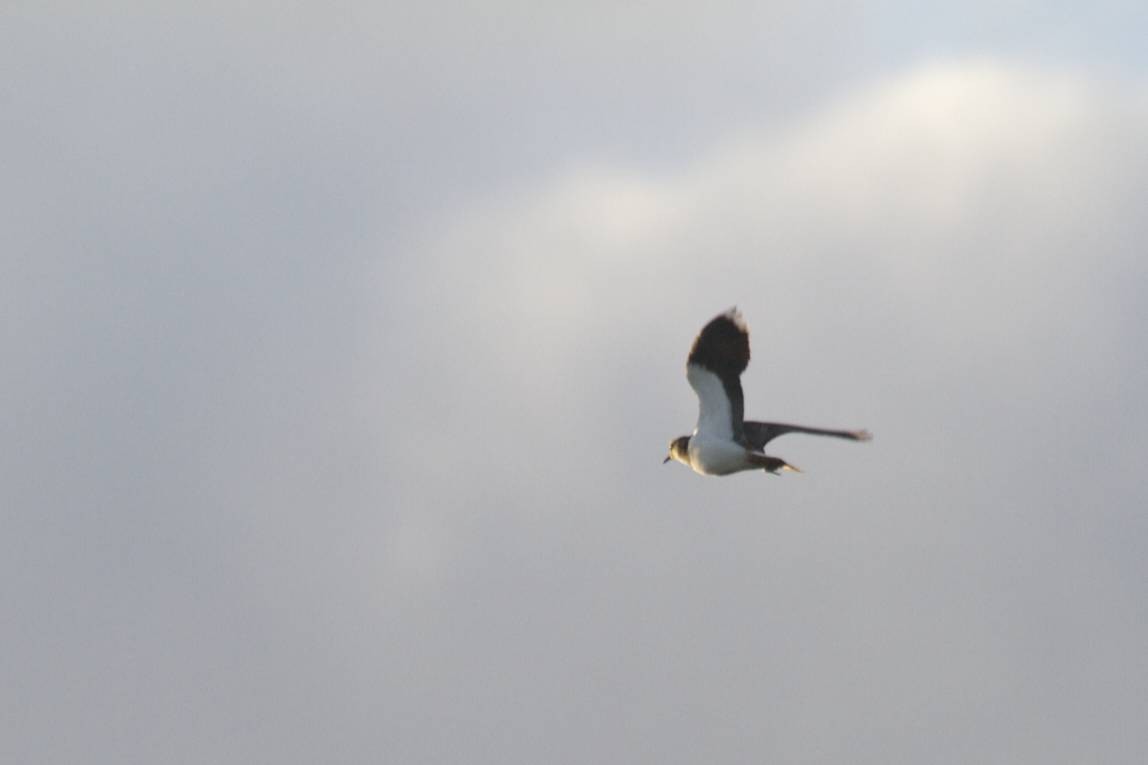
(723, 441)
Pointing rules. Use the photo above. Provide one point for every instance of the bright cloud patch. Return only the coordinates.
(960, 211)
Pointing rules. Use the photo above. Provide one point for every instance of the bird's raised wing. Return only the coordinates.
(718, 357)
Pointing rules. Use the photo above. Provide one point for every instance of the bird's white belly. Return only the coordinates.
(712, 456)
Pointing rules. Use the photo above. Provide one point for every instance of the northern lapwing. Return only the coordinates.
(723, 441)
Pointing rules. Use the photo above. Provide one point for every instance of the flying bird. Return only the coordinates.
(723, 441)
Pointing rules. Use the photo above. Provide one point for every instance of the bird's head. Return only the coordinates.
(679, 450)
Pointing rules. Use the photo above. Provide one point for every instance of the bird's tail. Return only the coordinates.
(774, 465)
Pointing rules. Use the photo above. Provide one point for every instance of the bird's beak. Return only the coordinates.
(667, 459)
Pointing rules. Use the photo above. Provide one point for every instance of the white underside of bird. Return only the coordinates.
(717, 456)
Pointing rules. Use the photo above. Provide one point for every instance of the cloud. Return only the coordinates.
(960, 214)
(946, 257)
(289, 487)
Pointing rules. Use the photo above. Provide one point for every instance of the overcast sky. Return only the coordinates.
(342, 343)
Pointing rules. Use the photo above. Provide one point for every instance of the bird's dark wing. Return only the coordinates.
(719, 355)
(761, 433)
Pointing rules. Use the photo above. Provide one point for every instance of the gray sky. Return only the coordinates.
(342, 344)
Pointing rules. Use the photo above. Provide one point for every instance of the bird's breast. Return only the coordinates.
(712, 456)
